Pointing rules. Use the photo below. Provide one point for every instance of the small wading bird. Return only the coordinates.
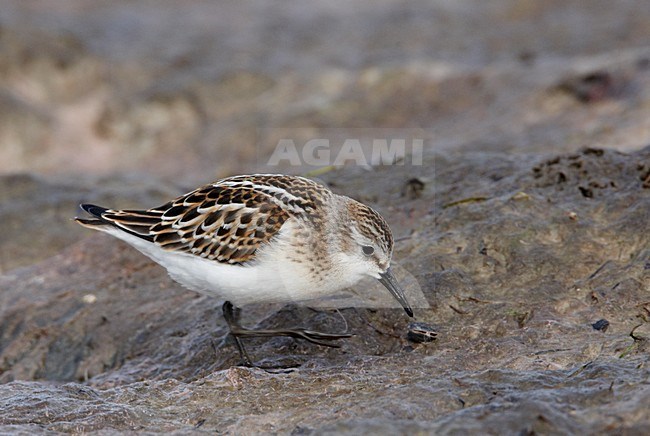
(260, 238)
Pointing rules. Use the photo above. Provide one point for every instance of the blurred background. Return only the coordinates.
(130, 102)
(194, 90)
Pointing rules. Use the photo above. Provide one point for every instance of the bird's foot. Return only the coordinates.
(232, 315)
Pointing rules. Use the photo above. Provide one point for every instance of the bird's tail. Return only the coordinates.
(96, 212)
(135, 222)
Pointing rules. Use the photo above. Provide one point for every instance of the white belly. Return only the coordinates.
(271, 278)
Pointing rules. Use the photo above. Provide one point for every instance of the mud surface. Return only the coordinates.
(516, 282)
(527, 226)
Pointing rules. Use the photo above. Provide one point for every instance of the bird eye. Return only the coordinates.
(368, 250)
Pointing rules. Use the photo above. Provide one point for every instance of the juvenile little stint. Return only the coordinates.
(260, 238)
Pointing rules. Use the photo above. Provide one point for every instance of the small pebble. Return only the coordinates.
(521, 195)
(89, 298)
(413, 188)
(601, 325)
(421, 332)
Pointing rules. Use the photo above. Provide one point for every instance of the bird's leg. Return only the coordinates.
(232, 315)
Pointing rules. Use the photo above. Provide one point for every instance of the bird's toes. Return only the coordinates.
(323, 338)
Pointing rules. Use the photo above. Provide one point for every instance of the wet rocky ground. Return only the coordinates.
(519, 258)
(527, 226)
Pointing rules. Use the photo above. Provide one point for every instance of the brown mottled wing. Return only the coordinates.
(218, 222)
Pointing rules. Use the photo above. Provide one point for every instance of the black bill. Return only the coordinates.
(388, 279)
